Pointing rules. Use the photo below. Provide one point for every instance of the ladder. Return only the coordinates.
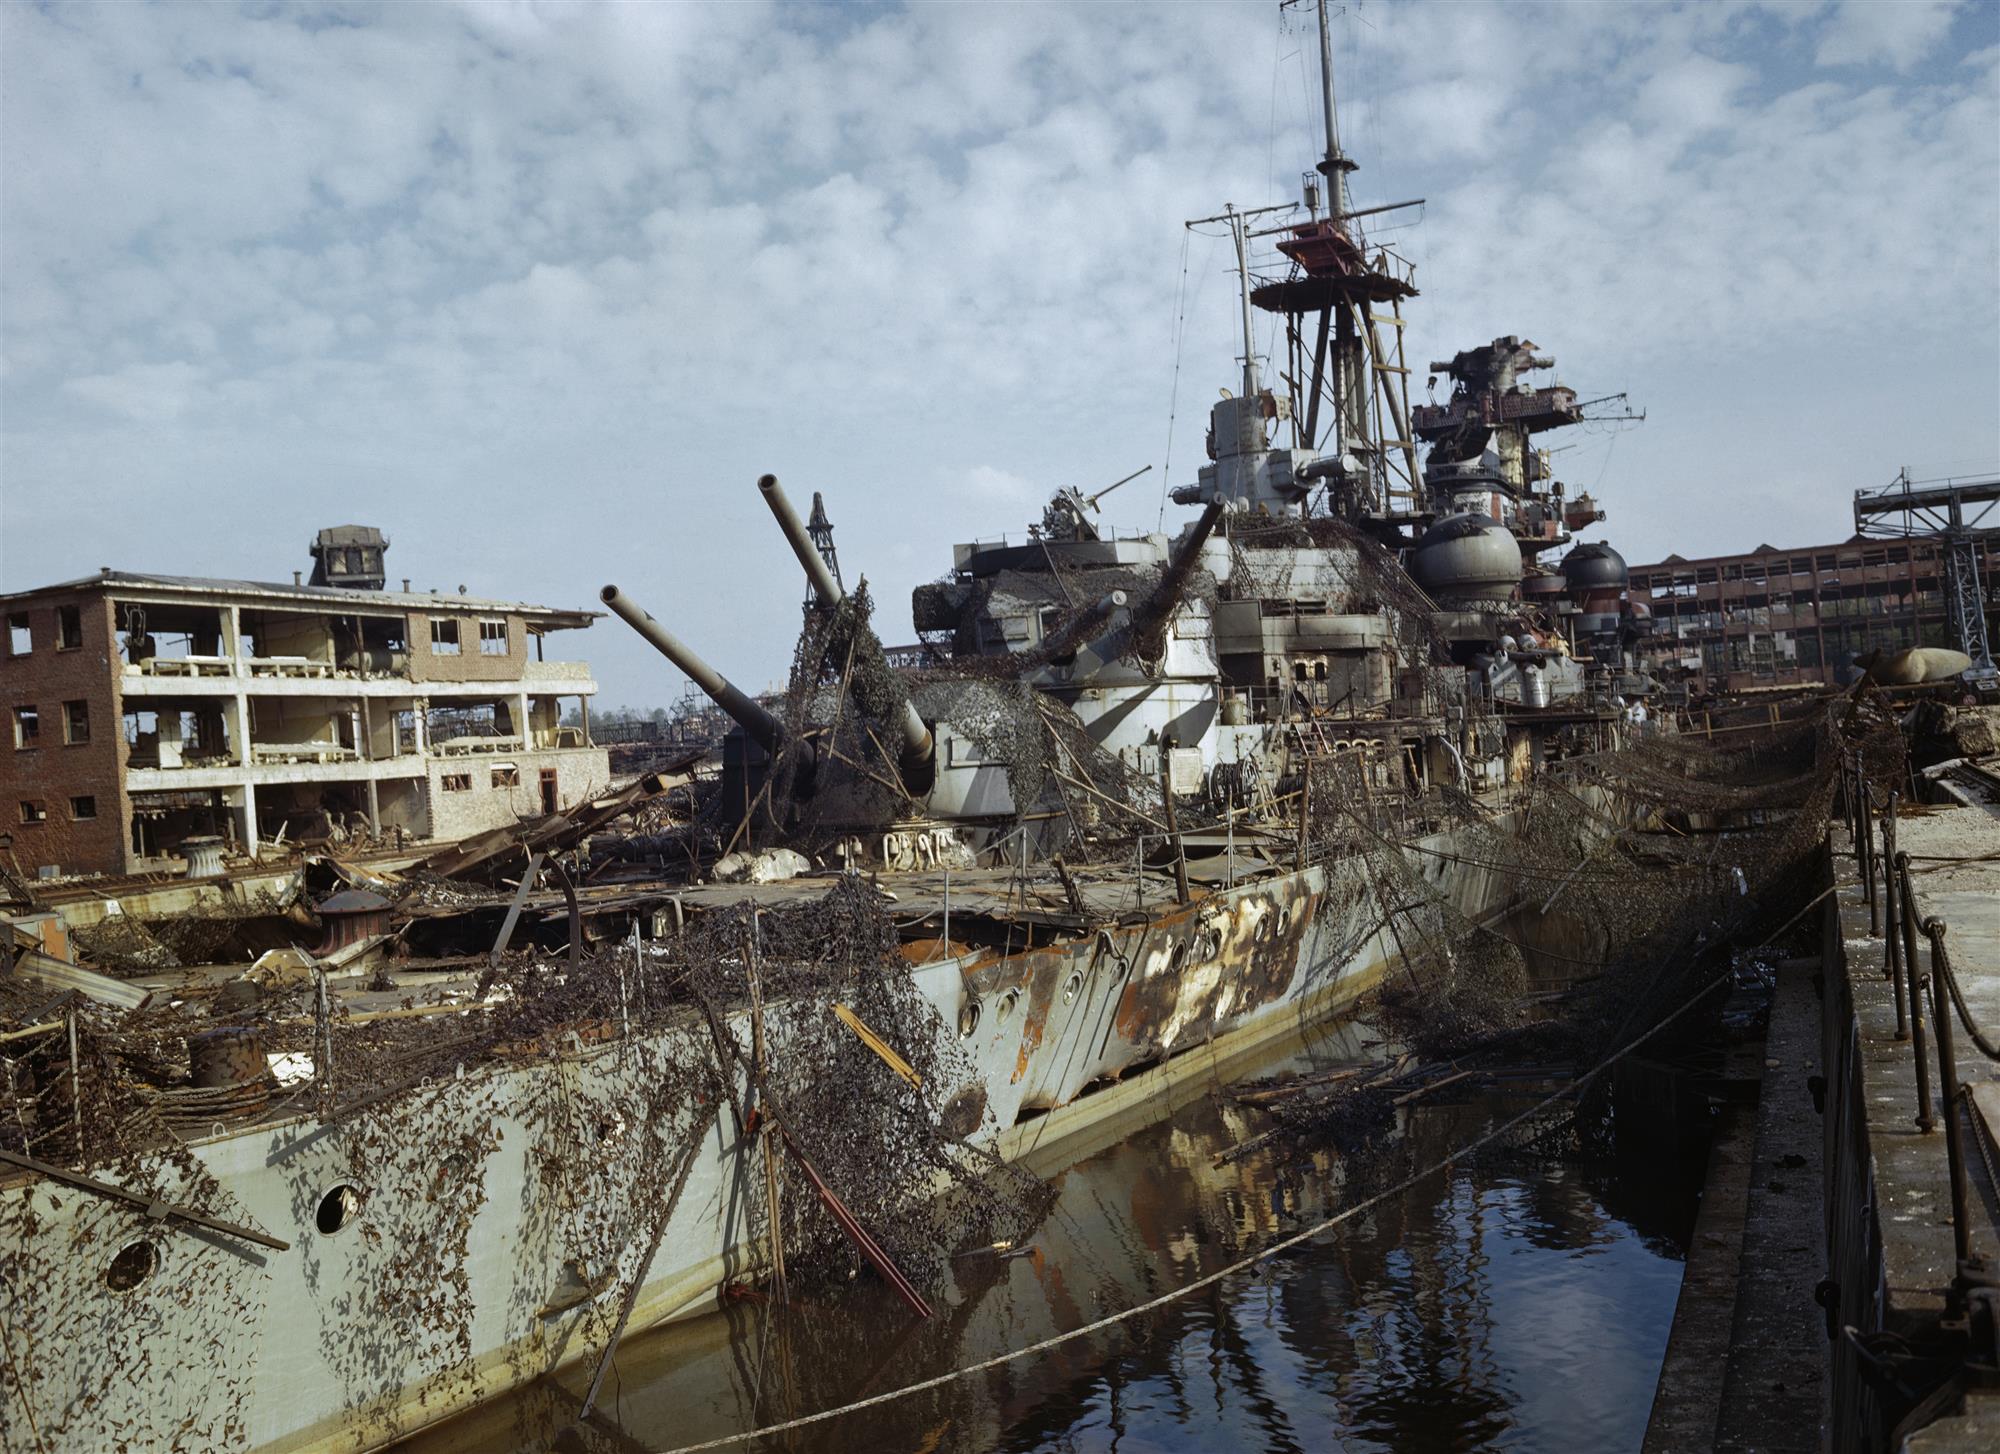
(1402, 481)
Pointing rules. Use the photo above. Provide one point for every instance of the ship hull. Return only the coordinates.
(496, 1221)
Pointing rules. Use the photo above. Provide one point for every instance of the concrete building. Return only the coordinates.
(143, 711)
(1772, 618)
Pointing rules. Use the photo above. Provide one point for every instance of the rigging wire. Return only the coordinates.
(1174, 395)
(1271, 145)
(1241, 1264)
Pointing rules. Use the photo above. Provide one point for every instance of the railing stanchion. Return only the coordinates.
(1868, 859)
(1892, 938)
(1948, 1088)
(1908, 925)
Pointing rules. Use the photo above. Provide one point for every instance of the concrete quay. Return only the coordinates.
(1896, 1296)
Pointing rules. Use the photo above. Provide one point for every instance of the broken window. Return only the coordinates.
(27, 727)
(69, 627)
(506, 775)
(457, 782)
(20, 640)
(444, 637)
(33, 812)
(492, 638)
(76, 722)
(83, 809)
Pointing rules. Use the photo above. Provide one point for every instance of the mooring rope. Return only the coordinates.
(1210, 1279)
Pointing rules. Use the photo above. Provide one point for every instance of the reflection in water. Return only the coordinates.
(1506, 1306)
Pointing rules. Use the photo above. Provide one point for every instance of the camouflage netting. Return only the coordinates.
(1661, 857)
(1032, 734)
(1072, 592)
(206, 933)
(1376, 580)
(122, 945)
(612, 1074)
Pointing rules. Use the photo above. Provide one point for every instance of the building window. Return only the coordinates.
(83, 809)
(76, 722)
(20, 640)
(69, 627)
(33, 812)
(506, 775)
(444, 637)
(457, 782)
(492, 638)
(27, 727)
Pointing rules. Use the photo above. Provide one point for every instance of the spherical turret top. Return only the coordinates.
(1468, 556)
(1595, 567)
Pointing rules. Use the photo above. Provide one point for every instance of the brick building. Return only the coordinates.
(142, 711)
(1772, 617)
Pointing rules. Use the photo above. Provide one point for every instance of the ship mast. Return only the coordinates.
(1335, 166)
(1236, 223)
(1334, 301)
(1336, 304)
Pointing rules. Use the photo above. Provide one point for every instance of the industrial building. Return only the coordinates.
(1774, 617)
(157, 723)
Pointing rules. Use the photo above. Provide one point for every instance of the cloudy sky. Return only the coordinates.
(541, 289)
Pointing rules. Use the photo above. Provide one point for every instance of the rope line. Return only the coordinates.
(1209, 1280)
(1985, 1045)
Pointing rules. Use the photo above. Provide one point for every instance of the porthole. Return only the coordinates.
(1006, 1010)
(968, 1019)
(1074, 984)
(135, 1262)
(337, 1208)
(1284, 922)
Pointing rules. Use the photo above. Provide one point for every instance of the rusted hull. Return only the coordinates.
(470, 1269)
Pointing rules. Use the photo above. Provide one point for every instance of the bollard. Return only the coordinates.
(1908, 923)
(1948, 1086)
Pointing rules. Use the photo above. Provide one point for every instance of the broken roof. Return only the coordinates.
(552, 618)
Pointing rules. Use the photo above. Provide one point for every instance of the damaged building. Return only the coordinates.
(1772, 618)
(157, 722)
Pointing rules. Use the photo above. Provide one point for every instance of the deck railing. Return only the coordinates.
(1927, 1005)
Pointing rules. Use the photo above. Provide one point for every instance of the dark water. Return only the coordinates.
(1509, 1304)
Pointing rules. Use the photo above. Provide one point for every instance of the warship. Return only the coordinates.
(1138, 796)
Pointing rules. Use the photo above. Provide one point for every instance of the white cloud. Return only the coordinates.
(146, 393)
(594, 268)
(1894, 33)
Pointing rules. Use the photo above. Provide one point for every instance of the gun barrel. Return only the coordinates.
(823, 584)
(1173, 580)
(758, 724)
(1092, 615)
(918, 744)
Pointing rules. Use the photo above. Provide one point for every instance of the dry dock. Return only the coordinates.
(1880, 1334)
